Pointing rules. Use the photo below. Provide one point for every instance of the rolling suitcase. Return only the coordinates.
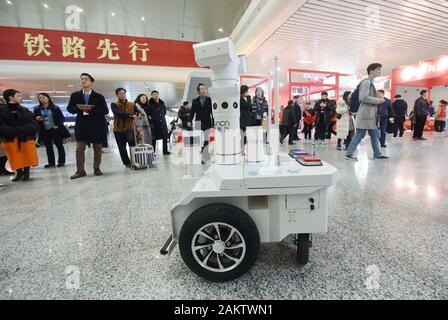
(142, 155)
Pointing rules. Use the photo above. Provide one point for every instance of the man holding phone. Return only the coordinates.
(90, 108)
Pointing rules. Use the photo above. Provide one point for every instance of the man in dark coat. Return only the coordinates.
(183, 114)
(421, 112)
(90, 108)
(202, 112)
(386, 114)
(289, 122)
(400, 109)
(157, 114)
(298, 114)
(324, 111)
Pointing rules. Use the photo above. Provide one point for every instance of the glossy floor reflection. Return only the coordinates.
(387, 239)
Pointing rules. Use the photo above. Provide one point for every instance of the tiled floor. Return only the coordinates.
(388, 227)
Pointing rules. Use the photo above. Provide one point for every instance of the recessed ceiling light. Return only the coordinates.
(305, 61)
(220, 30)
(80, 10)
(9, 2)
(113, 14)
(45, 6)
(143, 18)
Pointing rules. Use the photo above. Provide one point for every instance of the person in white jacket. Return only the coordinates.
(346, 126)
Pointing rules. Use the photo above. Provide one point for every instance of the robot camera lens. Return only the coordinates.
(235, 105)
(225, 105)
(215, 106)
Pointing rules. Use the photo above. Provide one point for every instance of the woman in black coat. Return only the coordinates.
(245, 113)
(160, 127)
(18, 130)
(51, 129)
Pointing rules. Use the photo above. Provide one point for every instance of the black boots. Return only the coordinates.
(21, 175)
(26, 174)
(18, 176)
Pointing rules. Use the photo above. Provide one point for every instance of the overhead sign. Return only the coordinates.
(69, 46)
(424, 71)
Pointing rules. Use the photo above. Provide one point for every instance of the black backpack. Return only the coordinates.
(354, 102)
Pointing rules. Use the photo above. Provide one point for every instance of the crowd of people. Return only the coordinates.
(374, 114)
(366, 110)
(19, 128)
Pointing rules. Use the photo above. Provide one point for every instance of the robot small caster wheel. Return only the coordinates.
(219, 242)
(303, 248)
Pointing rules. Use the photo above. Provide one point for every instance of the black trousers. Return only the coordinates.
(319, 133)
(419, 127)
(295, 134)
(399, 127)
(165, 145)
(329, 130)
(348, 140)
(439, 125)
(123, 139)
(307, 131)
(289, 131)
(53, 136)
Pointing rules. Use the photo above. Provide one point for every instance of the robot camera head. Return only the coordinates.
(216, 52)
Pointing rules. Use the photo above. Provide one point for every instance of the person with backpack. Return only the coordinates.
(364, 102)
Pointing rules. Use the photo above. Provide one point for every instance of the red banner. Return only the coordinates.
(69, 46)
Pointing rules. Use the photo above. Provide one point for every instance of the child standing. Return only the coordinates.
(440, 117)
(308, 123)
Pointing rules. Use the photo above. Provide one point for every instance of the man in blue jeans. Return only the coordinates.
(367, 115)
(386, 114)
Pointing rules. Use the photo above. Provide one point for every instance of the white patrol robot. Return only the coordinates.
(236, 205)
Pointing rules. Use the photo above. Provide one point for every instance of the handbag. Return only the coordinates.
(64, 132)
